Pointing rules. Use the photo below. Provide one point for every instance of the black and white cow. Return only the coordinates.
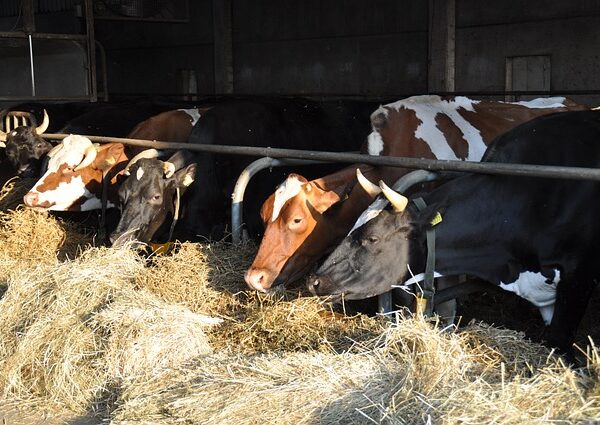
(537, 237)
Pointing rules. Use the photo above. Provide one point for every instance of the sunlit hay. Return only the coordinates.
(207, 278)
(306, 323)
(11, 194)
(69, 333)
(144, 335)
(412, 373)
(29, 238)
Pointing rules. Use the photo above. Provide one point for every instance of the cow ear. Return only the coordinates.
(430, 217)
(325, 200)
(184, 177)
(107, 158)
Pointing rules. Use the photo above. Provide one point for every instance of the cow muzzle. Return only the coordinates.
(259, 279)
(32, 200)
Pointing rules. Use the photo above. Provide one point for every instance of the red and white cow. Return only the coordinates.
(304, 220)
(76, 168)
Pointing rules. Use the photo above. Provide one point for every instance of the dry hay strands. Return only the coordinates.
(30, 238)
(70, 333)
(278, 323)
(11, 194)
(412, 373)
(205, 277)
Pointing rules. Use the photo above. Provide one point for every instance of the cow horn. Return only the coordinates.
(6, 124)
(372, 189)
(148, 153)
(169, 169)
(54, 150)
(88, 157)
(3, 138)
(39, 130)
(398, 201)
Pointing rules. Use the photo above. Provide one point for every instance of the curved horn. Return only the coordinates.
(88, 157)
(39, 130)
(54, 150)
(398, 201)
(148, 153)
(372, 189)
(3, 136)
(169, 169)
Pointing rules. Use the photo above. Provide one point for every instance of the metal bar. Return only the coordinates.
(104, 73)
(384, 301)
(526, 170)
(31, 64)
(41, 99)
(237, 197)
(45, 36)
(91, 50)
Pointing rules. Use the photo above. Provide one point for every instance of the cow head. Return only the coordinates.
(25, 147)
(375, 256)
(73, 180)
(147, 196)
(290, 215)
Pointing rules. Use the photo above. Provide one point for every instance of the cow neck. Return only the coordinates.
(113, 172)
(425, 300)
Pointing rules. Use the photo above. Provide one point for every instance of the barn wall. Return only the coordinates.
(566, 31)
(146, 57)
(341, 47)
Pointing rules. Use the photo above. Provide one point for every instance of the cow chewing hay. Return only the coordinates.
(176, 339)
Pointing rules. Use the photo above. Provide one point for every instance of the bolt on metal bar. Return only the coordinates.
(525, 170)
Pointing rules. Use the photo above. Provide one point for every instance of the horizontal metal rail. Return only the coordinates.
(526, 170)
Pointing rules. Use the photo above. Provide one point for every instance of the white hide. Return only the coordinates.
(286, 191)
(375, 143)
(68, 192)
(193, 113)
(542, 102)
(140, 173)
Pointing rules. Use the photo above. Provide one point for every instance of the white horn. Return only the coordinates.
(88, 157)
(148, 153)
(44, 125)
(372, 189)
(169, 169)
(6, 124)
(54, 150)
(398, 201)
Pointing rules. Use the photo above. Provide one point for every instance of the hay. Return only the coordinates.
(70, 332)
(11, 194)
(412, 374)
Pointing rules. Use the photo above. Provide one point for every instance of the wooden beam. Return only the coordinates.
(442, 46)
(223, 46)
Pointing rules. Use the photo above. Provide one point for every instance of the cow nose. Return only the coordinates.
(316, 284)
(258, 279)
(31, 199)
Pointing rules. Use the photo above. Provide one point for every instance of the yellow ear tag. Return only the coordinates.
(161, 248)
(437, 219)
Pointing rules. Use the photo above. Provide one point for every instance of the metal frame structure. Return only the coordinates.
(29, 33)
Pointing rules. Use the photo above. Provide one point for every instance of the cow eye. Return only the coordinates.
(372, 239)
(297, 220)
(156, 197)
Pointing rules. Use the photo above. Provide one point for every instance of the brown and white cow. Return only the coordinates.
(171, 126)
(304, 220)
(73, 180)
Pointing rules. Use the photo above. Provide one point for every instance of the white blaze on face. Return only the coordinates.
(286, 191)
(140, 173)
(375, 143)
(193, 113)
(71, 188)
(534, 288)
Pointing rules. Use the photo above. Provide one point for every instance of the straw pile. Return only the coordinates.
(176, 339)
(11, 194)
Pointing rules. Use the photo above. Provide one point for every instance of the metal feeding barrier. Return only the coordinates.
(274, 157)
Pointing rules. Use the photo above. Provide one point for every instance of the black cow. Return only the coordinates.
(25, 148)
(293, 123)
(533, 236)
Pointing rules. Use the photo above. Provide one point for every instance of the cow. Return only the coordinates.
(297, 234)
(85, 180)
(282, 123)
(171, 126)
(25, 148)
(536, 237)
